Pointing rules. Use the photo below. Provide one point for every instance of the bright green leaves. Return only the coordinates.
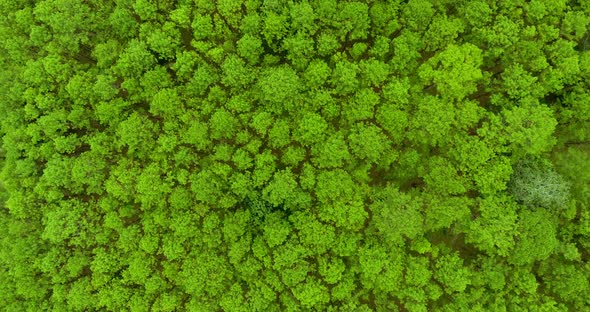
(340, 201)
(313, 234)
(280, 134)
(361, 106)
(417, 14)
(206, 186)
(167, 103)
(311, 293)
(300, 49)
(396, 215)
(105, 87)
(331, 153)
(537, 237)
(334, 185)
(380, 270)
(575, 166)
(280, 88)
(384, 18)
(88, 170)
(444, 212)
(235, 225)
(274, 29)
(164, 40)
(204, 274)
(134, 60)
(519, 83)
(492, 177)
(455, 71)
(327, 43)
(231, 11)
(281, 190)
(374, 72)
(353, 20)
(261, 122)
(181, 16)
(139, 268)
(368, 142)
(575, 25)
(202, 26)
(525, 129)
(198, 135)
(303, 17)
(145, 9)
(442, 32)
(70, 24)
(184, 65)
(62, 222)
(452, 274)
(470, 152)
(344, 77)
(276, 229)
(311, 129)
(432, 122)
(137, 134)
(331, 269)
(264, 168)
(223, 125)
(276, 155)
(250, 48)
(443, 178)
(316, 74)
(494, 230)
(151, 186)
(235, 72)
(155, 80)
(567, 281)
(417, 275)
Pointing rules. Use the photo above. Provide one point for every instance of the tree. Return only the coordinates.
(537, 238)
(280, 88)
(316, 74)
(137, 133)
(531, 127)
(300, 49)
(361, 106)
(331, 153)
(455, 71)
(164, 40)
(311, 129)
(367, 142)
(442, 32)
(277, 155)
(494, 231)
(250, 48)
(396, 215)
(303, 17)
(452, 274)
(235, 72)
(134, 60)
(535, 183)
(274, 28)
(432, 122)
(353, 20)
(223, 125)
(344, 77)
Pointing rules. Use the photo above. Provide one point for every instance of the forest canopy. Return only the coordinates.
(295, 155)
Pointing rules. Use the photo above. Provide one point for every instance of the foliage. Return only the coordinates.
(535, 183)
(301, 155)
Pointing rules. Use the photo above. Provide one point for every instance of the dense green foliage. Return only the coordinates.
(286, 155)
